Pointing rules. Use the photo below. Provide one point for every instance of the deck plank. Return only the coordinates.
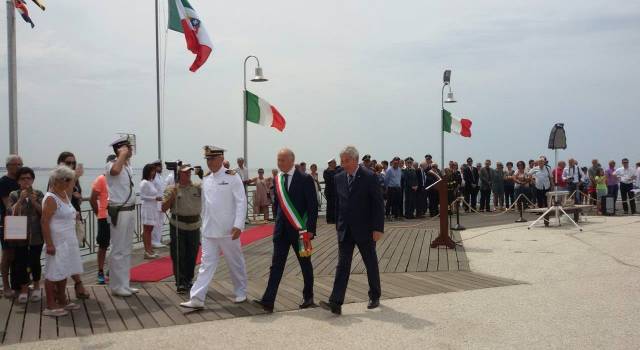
(172, 310)
(142, 314)
(31, 327)
(48, 325)
(14, 325)
(176, 299)
(94, 313)
(111, 315)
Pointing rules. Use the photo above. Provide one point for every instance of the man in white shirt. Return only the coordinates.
(627, 177)
(122, 216)
(224, 207)
(544, 182)
(573, 175)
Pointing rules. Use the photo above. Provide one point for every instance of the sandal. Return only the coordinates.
(36, 295)
(81, 293)
(55, 312)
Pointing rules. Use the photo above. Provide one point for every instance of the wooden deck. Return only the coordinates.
(408, 267)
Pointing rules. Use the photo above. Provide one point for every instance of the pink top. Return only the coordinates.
(612, 179)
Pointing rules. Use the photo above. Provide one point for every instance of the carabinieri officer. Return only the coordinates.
(224, 207)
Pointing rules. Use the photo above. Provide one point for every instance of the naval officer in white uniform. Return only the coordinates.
(122, 216)
(224, 206)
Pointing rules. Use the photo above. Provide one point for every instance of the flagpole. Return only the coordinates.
(12, 78)
(258, 79)
(442, 129)
(158, 86)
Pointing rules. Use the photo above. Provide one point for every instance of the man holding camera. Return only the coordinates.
(122, 214)
(185, 201)
(224, 207)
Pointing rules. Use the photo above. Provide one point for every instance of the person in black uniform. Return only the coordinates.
(471, 177)
(359, 222)
(432, 193)
(330, 190)
(421, 193)
(410, 189)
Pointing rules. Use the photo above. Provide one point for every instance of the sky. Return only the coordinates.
(363, 73)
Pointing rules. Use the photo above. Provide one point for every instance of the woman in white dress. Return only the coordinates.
(61, 244)
(149, 211)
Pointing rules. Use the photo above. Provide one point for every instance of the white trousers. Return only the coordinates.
(120, 256)
(211, 249)
(156, 234)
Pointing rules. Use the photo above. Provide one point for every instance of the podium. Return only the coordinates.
(443, 238)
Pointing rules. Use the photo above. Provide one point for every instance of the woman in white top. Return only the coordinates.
(59, 233)
(149, 212)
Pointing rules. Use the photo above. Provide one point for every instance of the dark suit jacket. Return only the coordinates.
(302, 192)
(471, 176)
(362, 210)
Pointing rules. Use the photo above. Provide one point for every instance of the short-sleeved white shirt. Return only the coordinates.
(121, 185)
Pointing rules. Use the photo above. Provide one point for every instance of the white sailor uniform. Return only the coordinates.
(224, 206)
(121, 195)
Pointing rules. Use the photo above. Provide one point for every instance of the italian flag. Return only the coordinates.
(261, 112)
(184, 19)
(453, 125)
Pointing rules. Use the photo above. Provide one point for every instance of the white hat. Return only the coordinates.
(331, 160)
(120, 140)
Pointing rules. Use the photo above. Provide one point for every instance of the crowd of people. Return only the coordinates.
(409, 190)
(212, 213)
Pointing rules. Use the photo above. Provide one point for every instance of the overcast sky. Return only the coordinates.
(366, 73)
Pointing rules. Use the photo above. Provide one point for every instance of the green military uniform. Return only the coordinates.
(184, 230)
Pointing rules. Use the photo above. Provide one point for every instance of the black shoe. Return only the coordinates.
(373, 303)
(181, 289)
(333, 307)
(307, 303)
(266, 307)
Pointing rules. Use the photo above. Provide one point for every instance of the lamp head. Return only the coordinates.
(446, 78)
(259, 76)
(450, 98)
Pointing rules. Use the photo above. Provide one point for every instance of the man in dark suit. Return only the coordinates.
(471, 177)
(359, 222)
(330, 190)
(302, 194)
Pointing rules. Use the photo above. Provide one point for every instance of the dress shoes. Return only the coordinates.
(307, 303)
(240, 299)
(333, 307)
(121, 292)
(193, 304)
(266, 307)
(133, 290)
(373, 303)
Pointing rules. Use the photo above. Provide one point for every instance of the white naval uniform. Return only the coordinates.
(224, 206)
(122, 233)
(156, 234)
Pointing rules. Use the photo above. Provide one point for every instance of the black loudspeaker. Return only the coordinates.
(558, 138)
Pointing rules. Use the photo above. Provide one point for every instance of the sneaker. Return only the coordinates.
(101, 279)
(72, 306)
(193, 304)
(55, 312)
(150, 256)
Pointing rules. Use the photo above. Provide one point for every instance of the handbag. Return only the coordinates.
(80, 232)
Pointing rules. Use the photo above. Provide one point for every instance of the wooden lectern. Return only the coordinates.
(443, 238)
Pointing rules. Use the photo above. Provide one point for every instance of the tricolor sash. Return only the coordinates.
(295, 219)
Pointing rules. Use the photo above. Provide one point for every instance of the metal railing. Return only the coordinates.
(90, 245)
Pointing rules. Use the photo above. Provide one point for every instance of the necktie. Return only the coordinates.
(286, 181)
(350, 182)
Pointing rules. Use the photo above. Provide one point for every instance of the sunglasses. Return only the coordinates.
(25, 178)
(70, 163)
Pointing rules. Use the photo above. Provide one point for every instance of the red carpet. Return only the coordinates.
(159, 269)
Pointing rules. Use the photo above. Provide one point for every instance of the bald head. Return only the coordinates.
(286, 158)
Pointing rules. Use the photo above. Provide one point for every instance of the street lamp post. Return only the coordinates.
(446, 80)
(259, 78)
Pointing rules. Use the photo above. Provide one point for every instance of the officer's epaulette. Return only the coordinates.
(230, 172)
